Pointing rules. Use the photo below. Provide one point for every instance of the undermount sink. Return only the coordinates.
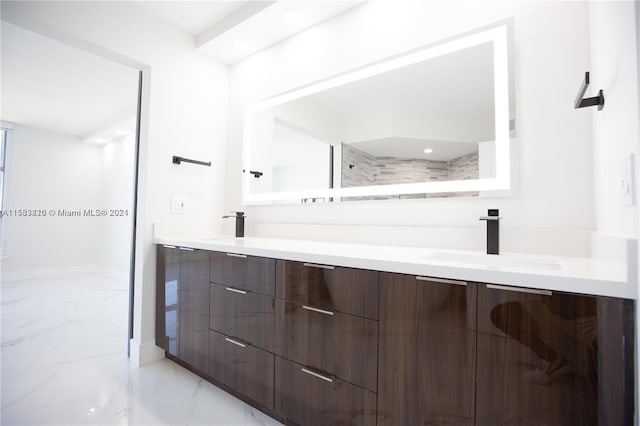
(491, 260)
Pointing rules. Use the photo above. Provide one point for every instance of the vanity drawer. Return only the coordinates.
(344, 345)
(245, 315)
(347, 290)
(242, 367)
(310, 397)
(251, 273)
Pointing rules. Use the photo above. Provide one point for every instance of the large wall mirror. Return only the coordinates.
(437, 121)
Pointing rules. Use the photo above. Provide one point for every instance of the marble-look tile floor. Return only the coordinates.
(64, 363)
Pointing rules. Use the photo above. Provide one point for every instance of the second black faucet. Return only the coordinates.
(493, 230)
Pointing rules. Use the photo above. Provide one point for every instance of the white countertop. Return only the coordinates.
(571, 274)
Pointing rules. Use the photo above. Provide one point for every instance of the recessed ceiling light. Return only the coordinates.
(239, 45)
(100, 141)
(427, 151)
(291, 16)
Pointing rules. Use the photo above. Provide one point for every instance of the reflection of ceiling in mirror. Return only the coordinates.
(458, 84)
(414, 148)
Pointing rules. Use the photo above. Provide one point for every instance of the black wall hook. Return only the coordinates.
(256, 174)
(179, 160)
(587, 102)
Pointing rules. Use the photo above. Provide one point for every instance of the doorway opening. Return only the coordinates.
(72, 122)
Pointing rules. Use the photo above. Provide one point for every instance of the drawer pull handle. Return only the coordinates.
(520, 290)
(236, 290)
(441, 280)
(185, 248)
(315, 265)
(235, 343)
(168, 246)
(322, 311)
(319, 376)
(242, 256)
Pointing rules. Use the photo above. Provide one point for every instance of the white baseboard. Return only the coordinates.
(144, 353)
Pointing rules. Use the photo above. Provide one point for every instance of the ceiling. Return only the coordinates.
(410, 148)
(230, 31)
(443, 85)
(53, 86)
(194, 17)
(50, 85)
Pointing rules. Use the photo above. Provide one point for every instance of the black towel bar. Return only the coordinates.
(178, 160)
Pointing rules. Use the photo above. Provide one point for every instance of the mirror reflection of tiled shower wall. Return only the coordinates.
(362, 169)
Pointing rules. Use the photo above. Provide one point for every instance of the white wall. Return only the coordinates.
(552, 211)
(637, 405)
(616, 134)
(50, 171)
(186, 102)
(615, 56)
(116, 180)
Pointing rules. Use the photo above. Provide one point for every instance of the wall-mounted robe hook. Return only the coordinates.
(587, 102)
(178, 160)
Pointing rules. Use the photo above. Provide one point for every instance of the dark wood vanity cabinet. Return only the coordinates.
(553, 358)
(182, 304)
(321, 345)
(426, 369)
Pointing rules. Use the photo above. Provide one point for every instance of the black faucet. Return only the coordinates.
(239, 223)
(493, 231)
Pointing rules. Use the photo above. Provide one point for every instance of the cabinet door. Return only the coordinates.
(251, 273)
(194, 308)
(549, 358)
(616, 361)
(314, 398)
(242, 367)
(167, 297)
(245, 315)
(427, 351)
(341, 344)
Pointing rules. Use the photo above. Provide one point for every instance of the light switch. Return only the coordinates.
(178, 205)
